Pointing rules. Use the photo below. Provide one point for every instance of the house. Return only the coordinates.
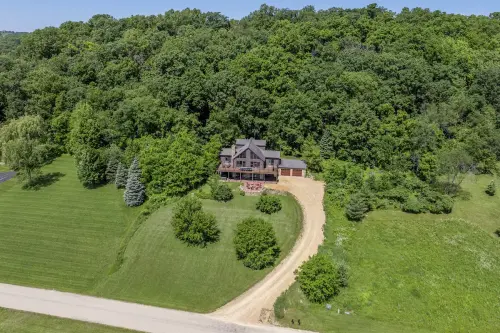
(249, 159)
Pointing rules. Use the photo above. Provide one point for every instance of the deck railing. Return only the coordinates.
(256, 171)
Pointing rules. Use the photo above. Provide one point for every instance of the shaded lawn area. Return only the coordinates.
(24, 322)
(61, 236)
(413, 273)
(160, 270)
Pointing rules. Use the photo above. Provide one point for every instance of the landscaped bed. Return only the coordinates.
(66, 237)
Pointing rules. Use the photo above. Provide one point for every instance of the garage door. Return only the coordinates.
(285, 172)
(297, 173)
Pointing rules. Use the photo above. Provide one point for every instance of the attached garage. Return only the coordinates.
(294, 168)
(285, 172)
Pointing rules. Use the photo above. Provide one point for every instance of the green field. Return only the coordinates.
(162, 271)
(66, 237)
(62, 236)
(413, 273)
(24, 322)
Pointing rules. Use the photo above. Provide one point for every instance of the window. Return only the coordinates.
(254, 156)
(240, 164)
(269, 162)
(255, 164)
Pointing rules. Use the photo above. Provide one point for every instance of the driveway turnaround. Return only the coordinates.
(120, 314)
(256, 304)
(4, 176)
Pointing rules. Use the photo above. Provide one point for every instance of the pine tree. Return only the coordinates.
(113, 155)
(356, 208)
(121, 176)
(326, 145)
(135, 192)
(491, 189)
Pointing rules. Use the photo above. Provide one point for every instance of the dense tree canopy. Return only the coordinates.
(370, 86)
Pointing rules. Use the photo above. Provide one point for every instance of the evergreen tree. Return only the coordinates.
(356, 208)
(135, 191)
(326, 145)
(113, 155)
(491, 189)
(121, 176)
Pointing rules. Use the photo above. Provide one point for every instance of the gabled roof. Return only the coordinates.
(244, 142)
(253, 147)
(293, 164)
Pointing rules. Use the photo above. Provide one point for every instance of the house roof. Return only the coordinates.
(244, 142)
(293, 164)
(251, 145)
(271, 153)
(226, 152)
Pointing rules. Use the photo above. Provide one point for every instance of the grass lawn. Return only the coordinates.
(160, 270)
(24, 322)
(66, 237)
(62, 236)
(413, 273)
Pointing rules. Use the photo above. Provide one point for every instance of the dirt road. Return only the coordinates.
(256, 303)
(120, 314)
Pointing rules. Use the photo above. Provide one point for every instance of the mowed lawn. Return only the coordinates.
(160, 270)
(62, 236)
(24, 322)
(413, 273)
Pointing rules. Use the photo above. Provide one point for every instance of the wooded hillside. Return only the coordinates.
(370, 86)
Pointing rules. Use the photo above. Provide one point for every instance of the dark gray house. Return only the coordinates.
(249, 159)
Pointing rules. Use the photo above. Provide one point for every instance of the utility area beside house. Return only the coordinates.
(249, 160)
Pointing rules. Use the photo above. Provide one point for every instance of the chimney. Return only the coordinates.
(233, 152)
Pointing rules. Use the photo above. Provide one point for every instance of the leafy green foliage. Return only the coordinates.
(269, 204)
(413, 205)
(23, 146)
(91, 167)
(356, 208)
(135, 193)
(220, 191)
(319, 278)
(192, 225)
(491, 189)
(256, 244)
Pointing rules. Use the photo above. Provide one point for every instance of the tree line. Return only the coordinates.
(408, 91)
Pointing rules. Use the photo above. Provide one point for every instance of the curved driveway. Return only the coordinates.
(252, 306)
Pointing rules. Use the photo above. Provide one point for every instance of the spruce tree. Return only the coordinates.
(356, 208)
(121, 176)
(111, 169)
(326, 145)
(491, 189)
(135, 192)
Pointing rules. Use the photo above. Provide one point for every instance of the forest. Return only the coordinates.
(414, 93)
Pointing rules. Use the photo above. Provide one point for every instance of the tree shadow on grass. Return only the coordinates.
(43, 180)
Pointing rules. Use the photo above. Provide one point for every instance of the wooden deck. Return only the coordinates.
(267, 171)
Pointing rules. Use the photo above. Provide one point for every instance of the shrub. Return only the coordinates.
(413, 205)
(439, 203)
(192, 225)
(356, 208)
(319, 278)
(255, 243)
(491, 189)
(222, 192)
(201, 194)
(497, 232)
(135, 194)
(269, 204)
